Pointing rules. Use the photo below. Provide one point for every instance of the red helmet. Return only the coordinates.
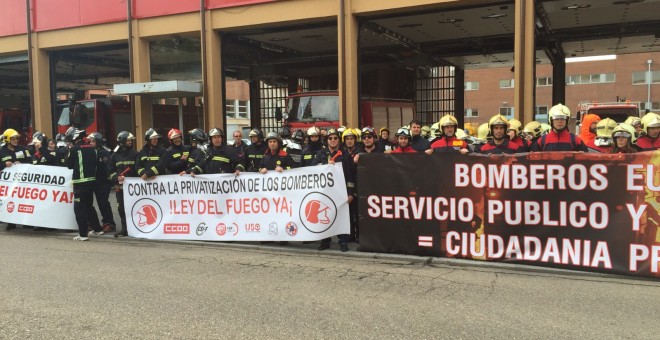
(315, 212)
(147, 216)
(174, 133)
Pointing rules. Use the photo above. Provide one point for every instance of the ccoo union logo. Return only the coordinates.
(146, 215)
(318, 212)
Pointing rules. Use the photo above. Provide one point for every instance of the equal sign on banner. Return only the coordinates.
(425, 241)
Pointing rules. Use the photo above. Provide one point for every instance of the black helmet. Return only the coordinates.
(299, 136)
(98, 137)
(274, 135)
(124, 136)
(286, 132)
(198, 136)
(151, 133)
(256, 132)
(75, 135)
(216, 132)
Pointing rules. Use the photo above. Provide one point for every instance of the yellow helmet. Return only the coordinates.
(460, 134)
(435, 130)
(498, 120)
(559, 111)
(426, 131)
(380, 132)
(605, 127)
(483, 132)
(533, 128)
(9, 133)
(633, 121)
(624, 130)
(545, 128)
(650, 120)
(470, 130)
(348, 132)
(448, 120)
(515, 124)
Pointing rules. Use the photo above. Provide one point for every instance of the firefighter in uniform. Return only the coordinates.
(449, 142)
(603, 142)
(275, 158)
(351, 149)
(500, 144)
(332, 155)
(623, 136)
(532, 132)
(220, 158)
(636, 123)
(559, 138)
(384, 142)
(295, 147)
(62, 151)
(176, 157)
(650, 141)
(11, 153)
(514, 132)
(102, 186)
(83, 160)
(314, 145)
(122, 165)
(198, 138)
(45, 151)
(403, 138)
(149, 162)
(255, 151)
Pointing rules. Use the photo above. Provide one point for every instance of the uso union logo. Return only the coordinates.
(317, 212)
(147, 215)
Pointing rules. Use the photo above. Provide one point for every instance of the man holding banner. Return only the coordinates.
(122, 165)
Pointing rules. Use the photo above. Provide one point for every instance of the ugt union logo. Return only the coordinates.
(146, 215)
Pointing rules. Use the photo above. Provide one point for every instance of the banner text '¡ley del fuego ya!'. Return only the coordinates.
(305, 204)
(37, 195)
(581, 211)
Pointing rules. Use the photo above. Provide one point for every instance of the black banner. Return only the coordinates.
(581, 211)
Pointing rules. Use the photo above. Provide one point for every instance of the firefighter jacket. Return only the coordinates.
(83, 160)
(559, 141)
(407, 149)
(195, 159)
(521, 142)
(240, 150)
(150, 161)
(122, 162)
(307, 156)
(385, 144)
(325, 155)
(19, 154)
(449, 144)
(43, 156)
(646, 143)
(295, 151)
(103, 167)
(61, 154)
(253, 155)
(173, 162)
(507, 147)
(279, 158)
(220, 160)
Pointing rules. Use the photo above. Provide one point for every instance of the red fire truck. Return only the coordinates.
(617, 111)
(109, 116)
(321, 109)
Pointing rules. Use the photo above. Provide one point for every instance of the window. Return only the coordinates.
(237, 108)
(544, 81)
(470, 113)
(506, 84)
(541, 113)
(640, 78)
(471, 86)
(590, 78)
(506, 112)
(655, 106)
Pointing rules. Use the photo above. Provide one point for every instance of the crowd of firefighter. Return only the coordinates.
(97, 169)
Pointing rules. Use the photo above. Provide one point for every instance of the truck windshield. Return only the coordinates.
(87, 120)
(313, 108)
(619, 115)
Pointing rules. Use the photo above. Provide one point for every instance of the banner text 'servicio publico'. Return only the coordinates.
(580, 211)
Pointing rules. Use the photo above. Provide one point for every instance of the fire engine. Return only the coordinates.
(617, 111)
(321, 109)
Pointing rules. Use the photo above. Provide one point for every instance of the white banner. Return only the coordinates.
(306, 204)
(37, 195)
